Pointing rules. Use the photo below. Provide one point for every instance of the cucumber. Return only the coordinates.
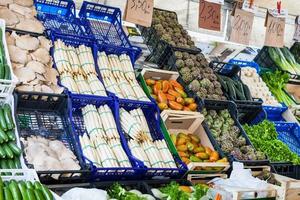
(6, 72)
(1, 182)
(39, 195)
(247, 92)
(38, 185)
(7, 116)
(1, 193)
(2, 152)
(23, 190)
(47, 194)
(11, 164)
(14, 148)
(17, 163)
(2, 72)
(8, 151)
(30, 194)
(29, 185)
(2, 120)
(223, 83)
(3, 136)
(16, 194)
(11, 135)
(239, 93)
(7, 194)
(231, 90)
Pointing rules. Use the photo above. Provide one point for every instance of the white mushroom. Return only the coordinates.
(34, 82)
(19, 9)
(25, 74)
(57, 89)
(45, 43)
(46, 89)
(26, 88)
(36, 66)
(31, 25)
(51, 75)
(41, 55)
(26, 3)
(27, 42)
(41, 77)
(17, 54)
(17, 65)
(9, 17)
(10, 40)
(37, 88)
(5, 2)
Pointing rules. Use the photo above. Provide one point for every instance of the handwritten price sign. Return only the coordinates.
(209, 15)
(274, 31)
(139, 12)
(241, 24)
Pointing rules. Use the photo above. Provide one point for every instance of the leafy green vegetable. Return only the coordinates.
(276, 81)
(173, 192)
(116, 191)
(264, 138)
(200, 191)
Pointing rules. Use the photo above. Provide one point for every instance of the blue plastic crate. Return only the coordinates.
(78, 127)
(59, 16)
(105, 25)
(242, 63)
(152, 115)
(272, 113)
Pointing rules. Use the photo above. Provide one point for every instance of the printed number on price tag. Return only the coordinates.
(209, 15)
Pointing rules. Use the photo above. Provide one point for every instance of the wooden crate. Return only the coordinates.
(190, 122)
(238, 192)
(204, 178)
(290, 187)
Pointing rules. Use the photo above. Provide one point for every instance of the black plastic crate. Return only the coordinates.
(231, 107)
(47, 115)
(286, 169)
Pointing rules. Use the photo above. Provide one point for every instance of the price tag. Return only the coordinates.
(297, 29)
(274, 31)
(246, 7)
(241, 26)
(209, 15)
(139, 12)
(274, 12)
(216, 1)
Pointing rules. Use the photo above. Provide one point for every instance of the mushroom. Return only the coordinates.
(19, 9)
(31, 25)
(17, 54)
(25, 74)
(36, 66)
(27, 42)
(45, 43)
(46, 89)
(10, 40)
(41, 55)
(9, 17)
(5, 2)
(26, 3)
(27, 88)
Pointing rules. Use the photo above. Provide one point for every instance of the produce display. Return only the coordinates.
(20, 14)
(264, 138)
(153, 153)
(276, 81)
(190, 149)
(258, 88)
(284, 59)
(9, 151)
(118, 76)
(229, 136)
(170, 94)
(168, 29)
(116, 191)
(101, 144)
(76, 68)
(200, 78)
(295, 50)
(45, 154)
(32, 63)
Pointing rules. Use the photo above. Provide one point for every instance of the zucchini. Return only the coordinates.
(3, 136)
(16, 194)
(1, 182)
(2, 152)
(231, 90)
(6, 72)
(7, 194)
(37, 185)
(1, 193)
(29, 185)
(17, 163)
(247, 92)
(4, 165)
(223, 83)
(239, 91)
(8, 151)
(30, 194)
(11, 135)
(23, 190)
(8, 117)
(47, 194)
(14, 148)
(11, 164)
(2, 120)
(39, 195)
(2, 72)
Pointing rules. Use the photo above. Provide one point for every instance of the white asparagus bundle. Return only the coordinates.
(92, 121)
(61, 57)
(139, 92)
(139, 152)
(115, 66)
(96, 85)
(73, 60)
(153, 155)
(126, 89)
(112, 86)
(82, 84)
(86, 59)
(88, 150)
(119, 152)
(127, 67)
(165, 153)
(103, 65)
(67, 80)
(140, 117)
(108, 122)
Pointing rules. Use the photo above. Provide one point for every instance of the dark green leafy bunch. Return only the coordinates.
(276, 81)
(264, 138)
(295, 50)
(116, 191)
(173, 192)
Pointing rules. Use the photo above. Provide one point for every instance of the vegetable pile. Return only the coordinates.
(190, 149)
(9, 151)
(276, 81)
(23, 190)
(116, 191)
(235, 89)
(264, 138)
(32, 63)
(295, 50)
(257, 86)
(152, 153)
(268, 176)
(170, 94)
(101, 145)
(229, 136)
(284, 59)
(169, 30)
(118, 76)
(200, 78)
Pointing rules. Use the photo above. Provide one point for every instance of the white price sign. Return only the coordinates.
(283, 13)
(216, 1)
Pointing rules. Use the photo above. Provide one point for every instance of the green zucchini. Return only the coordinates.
(11, 135)
(13, 186)
(23, 190)
(8, 117)
(223, 83)
(2, 152)
(47, 194)
(8, 151)
(39, 195)
(4, 164)
(7, 194)
(239, 93)
(2, 120)
(29, 185)
(1, 182)
(38, 185)
(247, 92)
(1, 193)
(3, 136)
(17, 162)
(231, 90)
(11, 164)
(30, 194)
(6, 72)
(14, 148)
